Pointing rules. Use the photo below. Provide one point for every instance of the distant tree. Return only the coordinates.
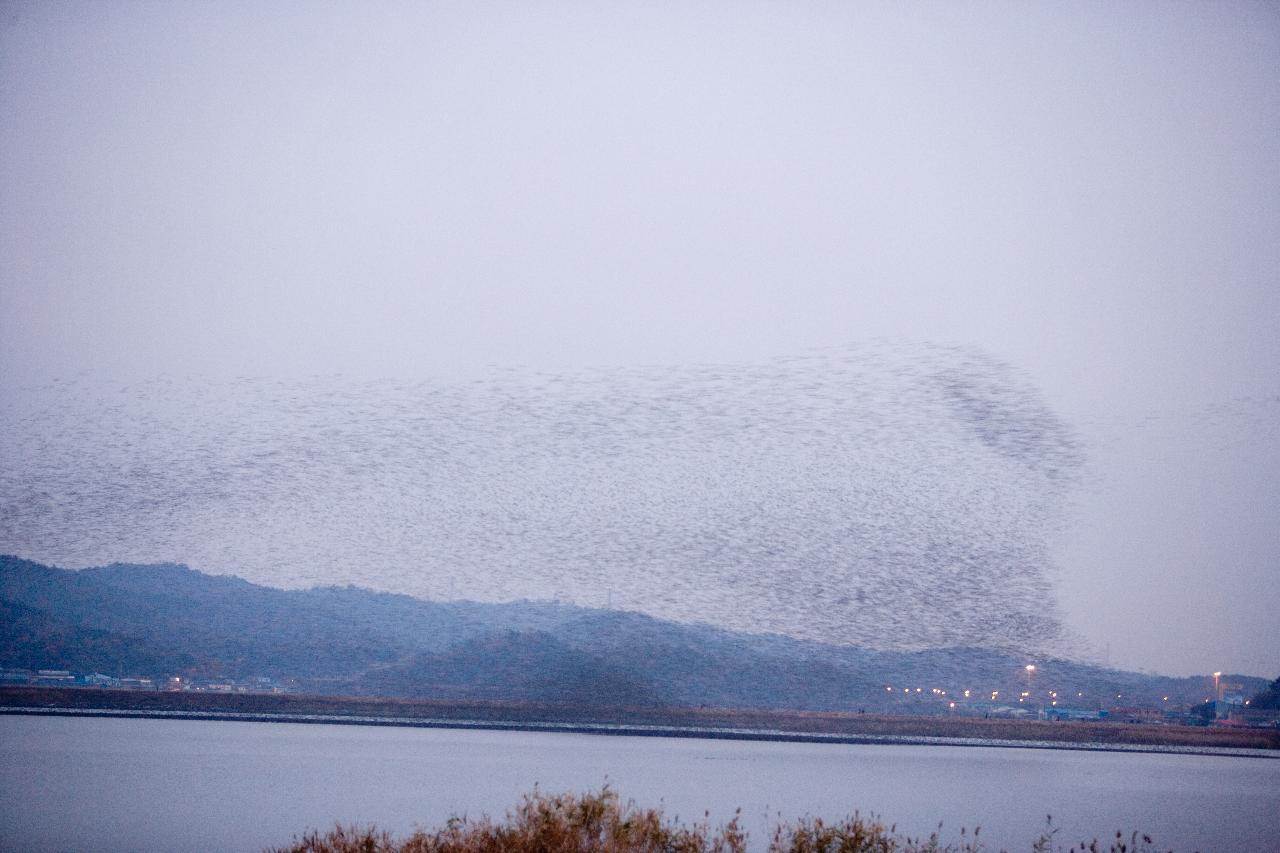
(1207, 711)
(1269, 698)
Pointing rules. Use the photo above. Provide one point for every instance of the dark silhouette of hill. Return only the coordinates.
(168, 619)
(228, 626)
(33, 639)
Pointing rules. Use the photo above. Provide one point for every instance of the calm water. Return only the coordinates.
(119, 784)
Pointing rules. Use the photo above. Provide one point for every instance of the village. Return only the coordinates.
(1228, 706)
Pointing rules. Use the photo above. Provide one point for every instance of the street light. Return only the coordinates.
(1217, 692)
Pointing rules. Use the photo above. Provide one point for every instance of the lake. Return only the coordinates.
(134, 784)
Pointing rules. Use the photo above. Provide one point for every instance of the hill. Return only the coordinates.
(161, 620)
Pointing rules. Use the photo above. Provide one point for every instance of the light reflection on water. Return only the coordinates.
(126, 784)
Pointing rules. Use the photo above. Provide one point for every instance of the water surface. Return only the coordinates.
(129, 784)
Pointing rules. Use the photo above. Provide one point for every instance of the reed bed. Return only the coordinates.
(599, 822)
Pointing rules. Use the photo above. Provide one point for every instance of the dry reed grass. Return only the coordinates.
(601, 823)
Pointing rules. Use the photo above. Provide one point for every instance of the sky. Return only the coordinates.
(1089, 193)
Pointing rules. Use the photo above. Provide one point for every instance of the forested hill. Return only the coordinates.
(161, 620)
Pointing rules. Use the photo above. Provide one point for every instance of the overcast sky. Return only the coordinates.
(1089, 192)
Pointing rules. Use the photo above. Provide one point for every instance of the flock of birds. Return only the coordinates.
(891, 497)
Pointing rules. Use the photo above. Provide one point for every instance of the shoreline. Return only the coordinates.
(638, 730)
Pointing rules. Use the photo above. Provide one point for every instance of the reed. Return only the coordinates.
(599, 822)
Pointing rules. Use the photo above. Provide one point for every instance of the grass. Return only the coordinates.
(570, 823)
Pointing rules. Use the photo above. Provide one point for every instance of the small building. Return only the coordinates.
(1059, 714)
(97, 679)
(1137, 715)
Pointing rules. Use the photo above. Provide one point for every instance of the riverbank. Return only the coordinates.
(793, 726)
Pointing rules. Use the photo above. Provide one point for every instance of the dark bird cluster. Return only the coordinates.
(894, 497)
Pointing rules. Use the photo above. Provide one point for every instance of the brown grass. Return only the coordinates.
(569, 823)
